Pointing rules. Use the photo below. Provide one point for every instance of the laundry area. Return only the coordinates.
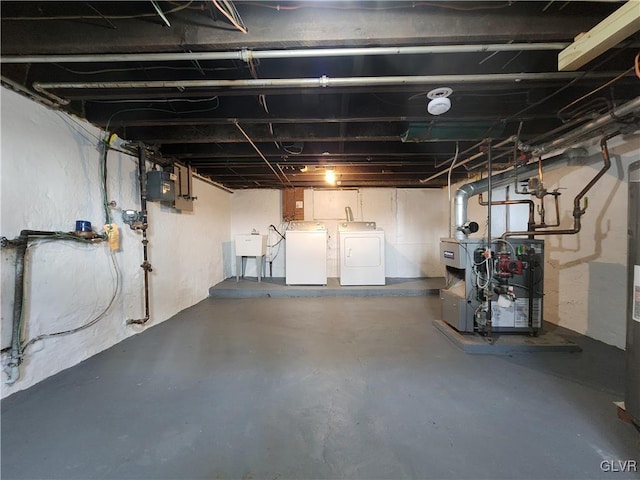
(320, 240)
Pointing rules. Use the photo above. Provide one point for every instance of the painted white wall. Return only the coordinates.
(256, 209)
(50, 178)
(585, 274)
(413, 221)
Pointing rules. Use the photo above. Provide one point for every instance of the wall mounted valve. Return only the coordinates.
(134, 219)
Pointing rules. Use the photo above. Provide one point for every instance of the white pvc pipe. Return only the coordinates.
(323, 81)
(247, 55)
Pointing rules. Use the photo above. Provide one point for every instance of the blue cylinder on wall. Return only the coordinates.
(83, 226)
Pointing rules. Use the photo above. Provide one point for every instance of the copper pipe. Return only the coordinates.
(531, 221)
(578, 210)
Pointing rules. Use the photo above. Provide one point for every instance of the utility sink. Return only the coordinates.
(250, 245)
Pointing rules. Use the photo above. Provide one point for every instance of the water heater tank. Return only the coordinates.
(632, 397)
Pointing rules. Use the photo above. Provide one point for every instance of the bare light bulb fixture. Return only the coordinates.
(330, 176)
(439, 102)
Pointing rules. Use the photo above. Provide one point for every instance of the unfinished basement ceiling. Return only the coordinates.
(359, 111)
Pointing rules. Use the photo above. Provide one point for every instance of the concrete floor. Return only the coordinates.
(276, 287)
(327, 387)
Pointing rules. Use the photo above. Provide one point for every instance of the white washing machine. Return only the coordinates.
(306, 254)
(361, 252)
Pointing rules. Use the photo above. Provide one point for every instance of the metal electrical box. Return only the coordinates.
(184, 191)
(515, 269)
(160, 187)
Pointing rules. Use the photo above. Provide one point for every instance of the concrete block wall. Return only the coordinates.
(50, 178)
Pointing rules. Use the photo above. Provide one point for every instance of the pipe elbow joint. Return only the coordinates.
(13, 374)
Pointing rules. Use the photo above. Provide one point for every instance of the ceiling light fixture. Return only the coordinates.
(439, 102)
(330, 176)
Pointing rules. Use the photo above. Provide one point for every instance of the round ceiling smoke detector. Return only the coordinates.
(439, 103)
(441, 92)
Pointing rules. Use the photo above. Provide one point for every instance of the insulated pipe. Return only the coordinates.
(578, 210)
(633, 106)
(323, 81)
(13, 370)
(20, 88)
(247, 55)
(503, 179)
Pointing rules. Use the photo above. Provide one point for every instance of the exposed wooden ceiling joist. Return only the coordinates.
(605, 35)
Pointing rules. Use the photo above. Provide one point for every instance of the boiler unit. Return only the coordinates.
(493, 287)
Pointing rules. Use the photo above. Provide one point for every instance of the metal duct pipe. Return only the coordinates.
(323, 81)
(247, 55)
(349, 214)
(503, 179)
(630, 107)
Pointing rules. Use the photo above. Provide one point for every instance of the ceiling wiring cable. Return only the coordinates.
(142, 69)
(567, 85)
(99, 17)
(78, 127)
(165, 100)
(153, 109)
(231, 8)
(287, 147)
(554, 93)
(596, 90)
(103, 180)
(229, 17)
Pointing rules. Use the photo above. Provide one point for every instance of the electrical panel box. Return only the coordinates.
(184, 193)
(293, 204)
(160, 186)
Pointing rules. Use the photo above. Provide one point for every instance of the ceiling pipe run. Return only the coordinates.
(631, 107)
(323, 81)
(263, 157)
(247, 55)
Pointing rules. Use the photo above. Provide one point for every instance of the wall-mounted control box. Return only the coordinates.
(161, 186)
